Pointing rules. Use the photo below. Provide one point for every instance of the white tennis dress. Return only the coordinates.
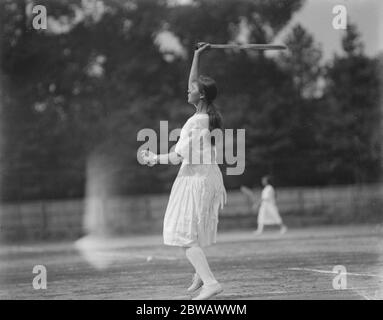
(198, 192)
(268, 211)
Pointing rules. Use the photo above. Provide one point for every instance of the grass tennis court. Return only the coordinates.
(297, 265)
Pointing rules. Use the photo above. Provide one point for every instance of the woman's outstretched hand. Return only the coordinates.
(148, 157)
(202, 46)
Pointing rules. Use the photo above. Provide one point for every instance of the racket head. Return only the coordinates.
(249, 46)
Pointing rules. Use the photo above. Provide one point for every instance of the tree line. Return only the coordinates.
(74, 96)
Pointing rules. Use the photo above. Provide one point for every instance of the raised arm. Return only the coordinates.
(195, 64)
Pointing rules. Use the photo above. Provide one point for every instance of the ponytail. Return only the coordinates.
(215, 120)
(208, 88)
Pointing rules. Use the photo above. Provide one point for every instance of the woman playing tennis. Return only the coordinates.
(198, 192)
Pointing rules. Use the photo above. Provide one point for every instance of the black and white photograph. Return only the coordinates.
(191, 150)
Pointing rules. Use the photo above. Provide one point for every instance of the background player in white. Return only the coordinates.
(268, 213)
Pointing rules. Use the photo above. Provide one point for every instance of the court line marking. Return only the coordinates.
(334, 272)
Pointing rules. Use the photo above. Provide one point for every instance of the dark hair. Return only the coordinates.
(268, 179)
(207, 86)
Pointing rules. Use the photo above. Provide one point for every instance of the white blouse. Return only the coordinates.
(194, 143)
(268, 194)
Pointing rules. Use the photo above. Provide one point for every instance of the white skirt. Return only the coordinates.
(191, 216)
(268, 213)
